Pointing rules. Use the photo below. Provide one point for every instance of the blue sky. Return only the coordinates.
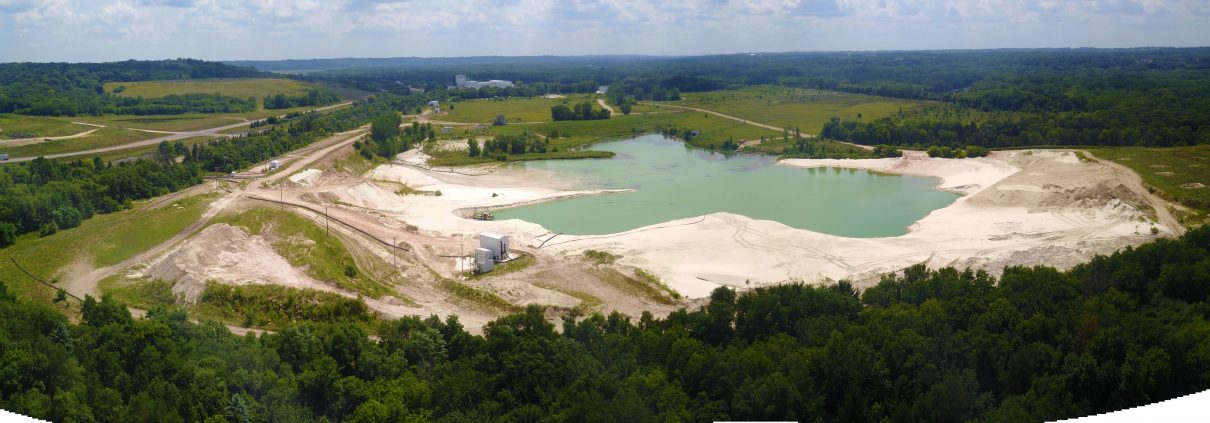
(104, 30)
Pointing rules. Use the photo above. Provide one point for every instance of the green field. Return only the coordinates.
(258, 87)
(574, 135)
(713, 129)
(105, 137)
(103, 240)
(1180, 174)
(18, 126)
(184, 122)
(790, 107)
(516, 110)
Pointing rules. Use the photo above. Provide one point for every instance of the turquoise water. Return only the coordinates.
(674, 182)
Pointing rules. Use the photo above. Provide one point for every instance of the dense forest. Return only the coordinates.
(70, 89)
(993, 98)
(923, 345)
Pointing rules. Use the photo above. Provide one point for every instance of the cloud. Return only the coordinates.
(225, 29)
(168, 3)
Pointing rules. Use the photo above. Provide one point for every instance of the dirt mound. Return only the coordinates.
(226, 254)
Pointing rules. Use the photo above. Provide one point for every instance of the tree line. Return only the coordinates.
(313, 97)
(581, 111)
(387, 139)
(942, 345)
(70, 89)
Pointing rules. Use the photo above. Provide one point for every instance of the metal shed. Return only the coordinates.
(496, 243)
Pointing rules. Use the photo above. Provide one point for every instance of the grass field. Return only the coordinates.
(713, 129)
(244, 87)
(105, 137)
(516, 110)
(18, 126)
(103, 240)
(574, 135)
(326, 258)
(790, 107)
(1180, 174)
(183, 122)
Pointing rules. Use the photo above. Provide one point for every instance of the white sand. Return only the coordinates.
(305, 177)
(1019, 208)
(1048, 208)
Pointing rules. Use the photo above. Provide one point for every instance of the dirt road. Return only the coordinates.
(86, 284)
(605, 106)
(1162, 215)
(757, 124)
(210, 132)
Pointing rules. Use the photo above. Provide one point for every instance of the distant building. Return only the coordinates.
(460, 81)
(434, 104)
(604, 89)
(447, 129)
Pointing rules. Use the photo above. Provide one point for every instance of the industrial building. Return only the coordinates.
(460, 81)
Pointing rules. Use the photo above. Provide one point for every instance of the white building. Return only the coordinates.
(496, 243)
(483, 260)
(604, 89)
(434, 104)
(460, 81)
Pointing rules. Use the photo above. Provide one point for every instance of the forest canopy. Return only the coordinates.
(942, 345)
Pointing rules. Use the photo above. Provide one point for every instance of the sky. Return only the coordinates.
(108, 30)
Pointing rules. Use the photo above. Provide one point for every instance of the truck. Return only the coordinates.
(3, 156)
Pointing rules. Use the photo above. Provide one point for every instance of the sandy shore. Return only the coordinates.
(1019, 208)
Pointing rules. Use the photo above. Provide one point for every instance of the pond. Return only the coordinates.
(671, 181)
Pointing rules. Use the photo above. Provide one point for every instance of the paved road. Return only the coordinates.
(211, 132)
(758, 124)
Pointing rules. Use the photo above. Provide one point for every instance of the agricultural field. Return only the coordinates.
(103, 240)
(257, 87)
(805, 109)
(1180, 174)
(516, 110)
(184, 122)
(19, 126)
(576, 134)
(713, 129)
(104, 137)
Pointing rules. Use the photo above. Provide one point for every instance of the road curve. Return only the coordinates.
(211, 132)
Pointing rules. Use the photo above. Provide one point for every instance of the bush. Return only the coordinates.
(48, 229)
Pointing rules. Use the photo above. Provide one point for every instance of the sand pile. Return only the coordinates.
(226, 254)
(305, 177)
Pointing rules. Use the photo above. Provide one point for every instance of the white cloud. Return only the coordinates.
(228, 29)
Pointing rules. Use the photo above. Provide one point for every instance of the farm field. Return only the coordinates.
(713, 129)
(243, 87)
(19, 126)
(103, 240)
(516, 110)
(184, 122)
(1182, 174)
(805, 109)
(104, 137)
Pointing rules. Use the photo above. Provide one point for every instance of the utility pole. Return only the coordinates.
(281, 195)
(326, 221)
